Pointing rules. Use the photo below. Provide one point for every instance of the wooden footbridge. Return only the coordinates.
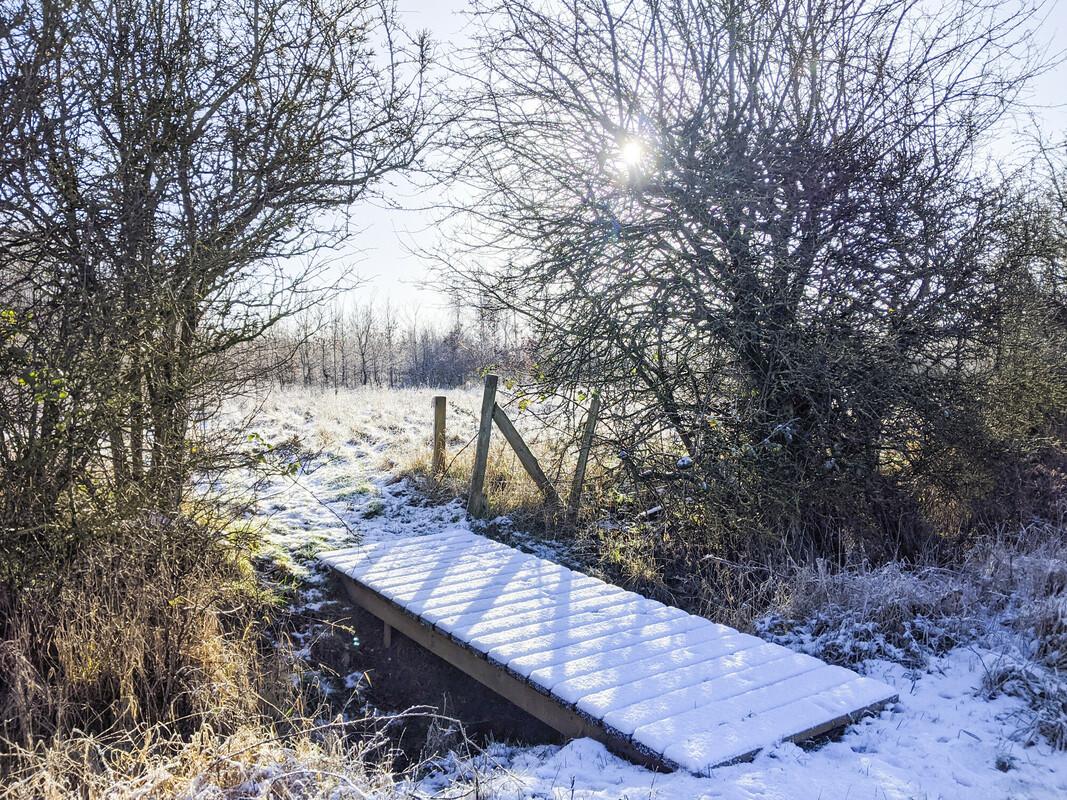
(655, 684)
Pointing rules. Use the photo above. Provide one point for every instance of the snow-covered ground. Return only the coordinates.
(942, 740)
(939, 741)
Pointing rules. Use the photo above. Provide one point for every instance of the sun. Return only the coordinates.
(632, 152)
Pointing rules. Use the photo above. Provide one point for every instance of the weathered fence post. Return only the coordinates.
(526, 458)
(439, 405)
(575, 498)
(476, 503)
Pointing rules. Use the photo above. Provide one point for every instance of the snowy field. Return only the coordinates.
(942, 740)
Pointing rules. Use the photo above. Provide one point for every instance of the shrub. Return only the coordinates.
(811, 294)
(155, 621)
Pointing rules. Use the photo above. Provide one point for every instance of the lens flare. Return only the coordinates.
(632, 152)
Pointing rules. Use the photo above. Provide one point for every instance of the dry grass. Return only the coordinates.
(153, 669)
(143, 625)
(311, 762)
(151, 631)
(508, 488)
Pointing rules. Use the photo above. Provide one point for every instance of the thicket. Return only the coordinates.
(159, 159)
(772, 236)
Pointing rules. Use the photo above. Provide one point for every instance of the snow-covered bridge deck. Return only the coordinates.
(650, 681)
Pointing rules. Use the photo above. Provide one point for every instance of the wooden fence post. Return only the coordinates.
(575, 498)
(526, 458)
(439, 405)
(476, 503)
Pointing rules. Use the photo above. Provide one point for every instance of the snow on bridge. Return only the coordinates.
(652, 682)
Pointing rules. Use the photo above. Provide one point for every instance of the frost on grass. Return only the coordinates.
(1045, 693)
(1009, 598)
(1037, 676)
(1009, 595)
(889, 613)
(310, 762)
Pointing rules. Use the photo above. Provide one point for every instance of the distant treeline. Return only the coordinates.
(371, 344)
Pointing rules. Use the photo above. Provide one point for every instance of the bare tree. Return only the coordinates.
(363, 331)
(758, 229)
(170, 161)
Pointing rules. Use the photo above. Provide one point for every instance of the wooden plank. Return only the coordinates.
(476, 502)
(475, 572)
(439, 406)
(694, 688)
(454, 564)
(543, 623)
(537, 703)
(512, 600)
(575, 498)
(365, 556)
(543, 651)
(507, 616)
(641, 678)
(740, 738)
(526, 457)
(647, 658)
(413, 561)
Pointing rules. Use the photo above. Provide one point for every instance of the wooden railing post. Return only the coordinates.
(439, 405)
(476, 503)
(575, 498)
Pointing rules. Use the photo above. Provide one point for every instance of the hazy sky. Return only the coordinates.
(380, 252)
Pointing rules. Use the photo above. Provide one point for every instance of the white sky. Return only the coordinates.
(381, 252)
